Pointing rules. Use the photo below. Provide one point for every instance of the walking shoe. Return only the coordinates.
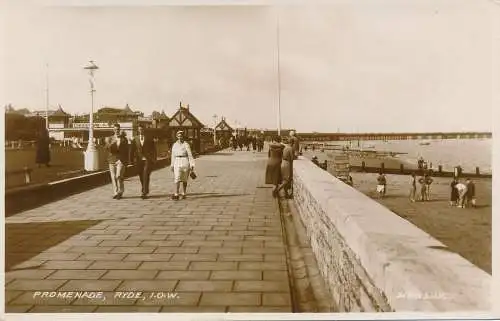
(175, 197)
(119, 196)
(183, 196)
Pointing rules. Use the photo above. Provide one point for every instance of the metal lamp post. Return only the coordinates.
(91, 154)
(215, 129)
(47, 97)
(279, 75)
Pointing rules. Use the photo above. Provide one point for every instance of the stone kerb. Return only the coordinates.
(373, 260)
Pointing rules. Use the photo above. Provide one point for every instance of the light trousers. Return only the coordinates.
(117, 172)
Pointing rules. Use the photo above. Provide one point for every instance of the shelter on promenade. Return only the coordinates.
(184, 120)
(58, 120)
(223, 131)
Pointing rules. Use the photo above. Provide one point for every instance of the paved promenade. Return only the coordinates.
(220, 250)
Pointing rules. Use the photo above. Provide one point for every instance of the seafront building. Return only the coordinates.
(66, 128)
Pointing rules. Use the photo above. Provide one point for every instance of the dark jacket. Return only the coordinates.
(471, 190)
(296, 146)
(147, 150)
(43, 150)
(116, 152)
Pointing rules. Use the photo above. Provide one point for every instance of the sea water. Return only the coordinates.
(468, 153)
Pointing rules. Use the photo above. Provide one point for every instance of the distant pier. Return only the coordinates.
(391, 136)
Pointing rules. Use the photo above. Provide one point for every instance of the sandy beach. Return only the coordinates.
(466, 231)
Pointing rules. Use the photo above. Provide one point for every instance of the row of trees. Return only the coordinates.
(19, 127)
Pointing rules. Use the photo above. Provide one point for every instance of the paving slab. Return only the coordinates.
(219, 250)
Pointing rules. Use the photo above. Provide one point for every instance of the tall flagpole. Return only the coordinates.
(279, 75)
(47, 96)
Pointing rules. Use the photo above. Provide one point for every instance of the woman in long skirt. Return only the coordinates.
(287, 168)
(43, 148)
(182, 163)
(273, 169)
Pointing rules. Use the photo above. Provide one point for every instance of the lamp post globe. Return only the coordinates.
(91, 154)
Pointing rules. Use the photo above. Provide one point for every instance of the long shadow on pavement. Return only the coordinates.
(24, 241)
(189, 195)
(223, 154)
(212, 195)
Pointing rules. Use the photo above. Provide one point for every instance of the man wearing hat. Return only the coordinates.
(182, 163)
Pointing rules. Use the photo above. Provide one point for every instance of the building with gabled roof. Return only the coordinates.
(58, 120)
(223, 126)
(223, 132)
(184, 120)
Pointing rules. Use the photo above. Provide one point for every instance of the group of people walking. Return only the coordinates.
(250, 142)
(279, 170)
(142, 152)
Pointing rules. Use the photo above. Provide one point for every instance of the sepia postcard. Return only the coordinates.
(249, 160)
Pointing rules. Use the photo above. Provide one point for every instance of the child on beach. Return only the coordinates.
(470, 195)
(454, 192)
(381, 183)
(428, 182)
(423, 189)
(413, 187)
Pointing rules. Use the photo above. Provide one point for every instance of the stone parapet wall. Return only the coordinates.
(372, 260)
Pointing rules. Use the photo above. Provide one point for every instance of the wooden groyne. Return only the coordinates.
(408, 171)
(385, 162)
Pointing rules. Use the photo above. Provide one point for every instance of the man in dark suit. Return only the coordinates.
(144, 155)
(118, 157)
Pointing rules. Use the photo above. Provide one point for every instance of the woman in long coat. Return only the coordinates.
(287, 167)
(43, 148)
(182, 163)
(273, 169)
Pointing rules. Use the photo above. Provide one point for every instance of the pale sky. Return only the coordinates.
(377, 66)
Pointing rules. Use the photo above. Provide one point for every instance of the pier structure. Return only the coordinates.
(307, 137)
